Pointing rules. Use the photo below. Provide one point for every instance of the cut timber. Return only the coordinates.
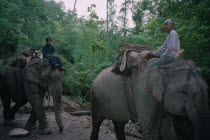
(133, 47)
(81, 113)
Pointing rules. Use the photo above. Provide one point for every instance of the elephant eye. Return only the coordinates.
(184, 92)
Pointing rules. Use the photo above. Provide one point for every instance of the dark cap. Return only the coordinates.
(48, 39)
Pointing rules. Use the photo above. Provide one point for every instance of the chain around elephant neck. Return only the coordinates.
(154, 120)
(158, 115)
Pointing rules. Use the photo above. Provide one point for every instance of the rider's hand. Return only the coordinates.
(179, 54)
(182, 50)
(176, 56)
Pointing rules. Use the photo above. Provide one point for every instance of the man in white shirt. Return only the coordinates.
(170, 48)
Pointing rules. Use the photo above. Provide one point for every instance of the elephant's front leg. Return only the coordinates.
(31, 123)
(36, 100)
(16, 107)
(6, 109)
(37, 104)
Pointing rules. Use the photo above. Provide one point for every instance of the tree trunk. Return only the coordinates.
(107, 21)
(75, 3)
(124, 20)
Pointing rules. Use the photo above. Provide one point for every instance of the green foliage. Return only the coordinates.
(192, 25)
(82, 45)
(27, 23)
(8, 30)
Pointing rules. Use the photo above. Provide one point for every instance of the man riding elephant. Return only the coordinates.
(49, 52)
(170, 48)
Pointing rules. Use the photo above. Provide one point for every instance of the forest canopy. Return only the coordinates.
(87, 45)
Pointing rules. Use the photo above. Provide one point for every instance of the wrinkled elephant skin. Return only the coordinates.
(36, 84)
(178, 86)
(31, 85)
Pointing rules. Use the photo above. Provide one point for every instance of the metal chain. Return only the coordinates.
(158, 116)
(155, 117)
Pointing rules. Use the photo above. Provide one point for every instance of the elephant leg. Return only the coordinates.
(119, 129)
(6, 102)
(31, 123)
(35, 98)
(16, 107)
(96, 123)
(41, 116)
(6, 108)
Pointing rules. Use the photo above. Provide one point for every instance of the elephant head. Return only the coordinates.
(183, 93)
(24, 58)
(39, 72)
(20, 61)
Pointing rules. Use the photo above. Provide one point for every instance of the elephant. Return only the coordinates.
(169, 102)
(36, 78)
(11, 88)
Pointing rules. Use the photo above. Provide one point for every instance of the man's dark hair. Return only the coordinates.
(48, 39)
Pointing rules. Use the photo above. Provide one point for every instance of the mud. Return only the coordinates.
(76, 128)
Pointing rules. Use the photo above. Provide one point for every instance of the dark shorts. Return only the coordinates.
(55, 60)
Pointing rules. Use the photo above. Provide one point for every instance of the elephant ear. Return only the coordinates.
(156, 83)
(32, 71)
(45, 69)
(47, 74)
(39, 71)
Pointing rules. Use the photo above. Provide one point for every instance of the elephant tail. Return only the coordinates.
(93, 100)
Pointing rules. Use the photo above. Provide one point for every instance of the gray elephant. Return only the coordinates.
(11, 88)
(40, 77)
(36, 78)
(170, 102)
(11, 85)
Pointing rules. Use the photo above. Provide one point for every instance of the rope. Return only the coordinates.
(129, 98)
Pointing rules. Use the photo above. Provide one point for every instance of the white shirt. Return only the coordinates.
(171, 46)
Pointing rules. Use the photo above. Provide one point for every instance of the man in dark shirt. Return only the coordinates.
(49, 52)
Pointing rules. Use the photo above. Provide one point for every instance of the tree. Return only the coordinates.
(107, 21)
(123, 18)
(111, 17)
(192, 25)
(75, 3)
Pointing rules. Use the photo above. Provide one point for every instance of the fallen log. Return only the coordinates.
(81, 113)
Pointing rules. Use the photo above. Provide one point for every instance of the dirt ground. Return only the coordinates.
(76, 128)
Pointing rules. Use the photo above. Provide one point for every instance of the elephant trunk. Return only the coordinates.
(201, 127)
(56, 92)
(200, 118)
(57, 109)
(198, 113)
